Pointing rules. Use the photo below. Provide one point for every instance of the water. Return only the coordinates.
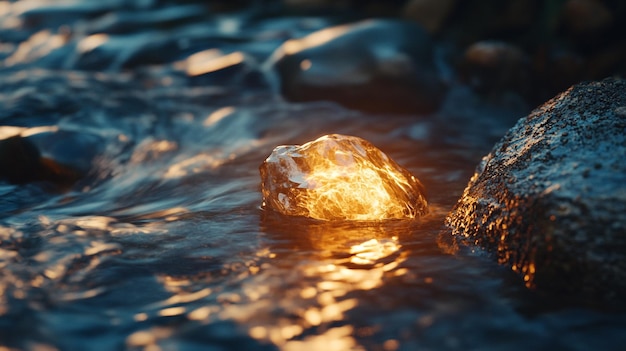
(163, 244)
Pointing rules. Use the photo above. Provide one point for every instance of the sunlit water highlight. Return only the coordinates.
(164, 245)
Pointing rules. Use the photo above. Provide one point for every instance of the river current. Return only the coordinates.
(163, 244)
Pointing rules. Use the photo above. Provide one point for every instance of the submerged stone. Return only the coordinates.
(21, 162)
(495, 67)
(372, 65)
(339, 177)
(550, 198)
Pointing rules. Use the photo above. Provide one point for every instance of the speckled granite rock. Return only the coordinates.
(550, 199)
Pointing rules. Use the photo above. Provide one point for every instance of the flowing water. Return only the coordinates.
(163, 244)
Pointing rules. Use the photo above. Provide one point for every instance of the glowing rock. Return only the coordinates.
(339, 177)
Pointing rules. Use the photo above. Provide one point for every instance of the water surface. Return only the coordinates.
(163, 244)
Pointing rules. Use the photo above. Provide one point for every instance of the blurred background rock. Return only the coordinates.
(530, 47)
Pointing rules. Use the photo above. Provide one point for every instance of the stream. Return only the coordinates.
(163, 244)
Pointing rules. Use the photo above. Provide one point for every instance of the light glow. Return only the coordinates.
(92, 42)
(373, 250)
(218, 115)
(318, 38)
(206, 62)
(338, 177)
(38, 45)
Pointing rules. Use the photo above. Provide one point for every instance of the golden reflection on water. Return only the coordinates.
(312, 40)
(372, 250)
(210, 61)
(38, 45)
(313, 269)
(92, 42)
(296, 290)
(148, 339)
(11, 131)
(193, 165)
(218, 115)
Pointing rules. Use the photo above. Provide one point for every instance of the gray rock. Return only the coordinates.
(550, 199)
(21, 162)
(494, 67)
(373, 65)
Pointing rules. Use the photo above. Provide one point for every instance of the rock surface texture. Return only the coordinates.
(550, 198)
(372, 65)
(339, 177)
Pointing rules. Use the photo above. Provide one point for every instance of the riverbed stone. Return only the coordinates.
(371, 65)
(495, 67)
(21, 162)
(549, 200)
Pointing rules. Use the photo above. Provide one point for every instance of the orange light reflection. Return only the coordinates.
(38, 45)
(208, 61)
(313, 277)
(318, 38)
(91, 42)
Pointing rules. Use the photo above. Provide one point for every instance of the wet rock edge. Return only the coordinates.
(549, 200)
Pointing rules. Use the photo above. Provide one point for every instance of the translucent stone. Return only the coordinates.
(339, 177)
